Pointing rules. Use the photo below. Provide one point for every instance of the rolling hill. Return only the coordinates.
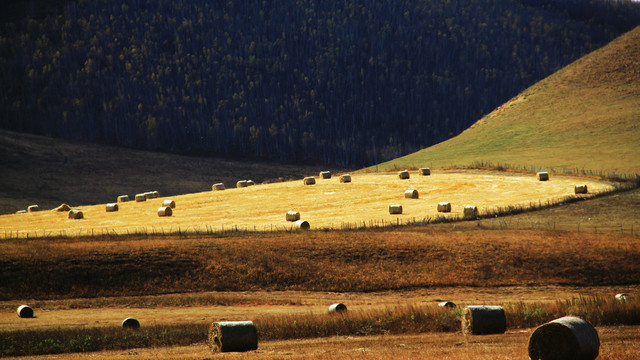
(585, 116)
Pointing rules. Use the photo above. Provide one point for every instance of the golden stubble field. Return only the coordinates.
(328, 204)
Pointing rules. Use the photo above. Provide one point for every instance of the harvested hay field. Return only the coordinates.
(367, 199)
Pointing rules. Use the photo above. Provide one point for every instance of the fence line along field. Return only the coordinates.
(325, 205)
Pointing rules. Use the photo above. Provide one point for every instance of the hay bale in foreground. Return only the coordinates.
(581, 189)
(302, 225)
(325, 174)
(76, 214)
(233, 336)
(411, 194)
(218, 186)
(425, 171)
(309, 180)
(447, 304)
(293, 215)
(33, 208)
(62, 208)
(242, 184)
(25, 311)
(444, 207)
(337, 308)
(141, 197)
(483, 319)
(567, 338)
(542, 176)
(169, 203)
(395, 209)
(404, 174)
(621, 297)
(111, 207)
(123, 198)
(131, 323)
(345, 178)
(165, 211)
(470, 212)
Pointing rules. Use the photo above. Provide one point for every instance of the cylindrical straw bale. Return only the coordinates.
(131, 323)
(25, 311)
(568, 337)
(542, 176)
(233, 336)
(149, 195)
(293, 216)
(345, 178)
(395, 209)
(425, 171)
(165, 211)
(444, 207)
(447, 304)
(411, 194)
(111, 207)
(123, 198)
(250, 183)
(76, 214)
(483, 319)
(470, 212)
(337, 308)
(169, 203)
(302, 225)
(155, 194)
(218, 186)
(325, 174)
(63, 208)
(242, 183)
(33, 208)
(621, 297)
(404, 174)
(309, 180)
(141, 197)
(581, 189)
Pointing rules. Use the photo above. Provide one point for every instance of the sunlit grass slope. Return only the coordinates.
(585, 116)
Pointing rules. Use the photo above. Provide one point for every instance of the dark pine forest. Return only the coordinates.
(343, 82)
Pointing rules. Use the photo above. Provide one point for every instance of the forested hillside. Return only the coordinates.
(347, 82)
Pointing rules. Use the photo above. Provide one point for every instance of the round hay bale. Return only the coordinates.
(149, 195)
(309, 180)
(566, 338)
(302, 225)
(395, 209)
(165, 211)
(123, 198)
(483, 319)
(345, 178)
(155, 194)
(33, 208)
(218, 186)
(242, 184)
(404, 174)
(621, 297)
(447, 304)
(337, 308)
(25, 311)
(169, 203)
(542, 176)
(233, 336)
(470, 212)
(325, 174)
(112, 207)
(62, 208)
(131, 323)
(75, 214)
(425, 171)
(250, 183)
(293, 216)
(21, 212)
(581, 189)
(444, 207)
(141, 197)
(411, 194)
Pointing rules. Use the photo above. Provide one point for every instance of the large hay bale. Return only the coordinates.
(395, 209)
(411, 194)
(155, 194)
(581, 189)
(345, 178)
(337, 308)
(302, 225)
(242, 184)
(169, 203)
(325, 174)
(62, 208)
(293, 216)
(131, 323)
(447, 304)
(141, 197)
(309, 180)
(444, 207)
(250, 183)
(233, 336)
(76, 214)
(123, 198)
(425, 171)
(165, 211)
(404, 174)
(218, 186)
(470, 212)
(566, 338)
(149, 195)
(33, 208)
(25, 311)
(483, 319)
(111, 207)
(542, 176)
(621, 298)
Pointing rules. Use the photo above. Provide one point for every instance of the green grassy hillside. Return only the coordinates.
(585, 116)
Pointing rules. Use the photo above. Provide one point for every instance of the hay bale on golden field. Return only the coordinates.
(411, 194)
(111, 207)
(621, 297)
(250, 183)
(33, 208)
(542, 176)
(76, 214)
(345, 178)
(302, 225)
(293, 216)
(309, 180)
(165, 211)
(131, 323)
(325, 174)
(218, 186)
(242, 184)
(169, 203)
(425, 171)
(21, 212)
(123, 198)
(447, 304)
(568, 337)
(581, 189)
(483, 319)
(470, 212)
(404, 174)
(395, 209)
(444, 207)
(25, 311)
(141, 197)
(155, 194)
(337, 308)
(149, 195)
(62, 208)
(233, 336)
